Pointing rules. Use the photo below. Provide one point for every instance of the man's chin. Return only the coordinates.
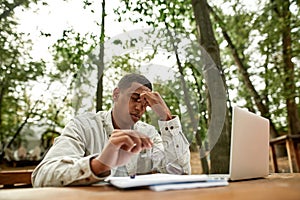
(135, 118)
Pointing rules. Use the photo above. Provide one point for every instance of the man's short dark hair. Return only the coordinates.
(128, 79)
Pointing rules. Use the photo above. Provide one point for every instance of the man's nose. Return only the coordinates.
(141, 105)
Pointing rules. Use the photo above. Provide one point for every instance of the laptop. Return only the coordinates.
(249, 152)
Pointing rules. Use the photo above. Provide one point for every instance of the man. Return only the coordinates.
(96, 145)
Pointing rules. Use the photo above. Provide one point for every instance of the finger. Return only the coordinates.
(123, 141)
(135, 149)
(130, 140)
(145, 97)
(136, 138)
(142, 141)
(146, 143)
(152, 98)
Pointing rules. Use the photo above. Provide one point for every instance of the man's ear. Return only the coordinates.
(116, 94)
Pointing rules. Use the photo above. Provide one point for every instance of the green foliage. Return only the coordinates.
(70, 52)
(257, 35)
(176, 13)
(17, 69)
(73, 57)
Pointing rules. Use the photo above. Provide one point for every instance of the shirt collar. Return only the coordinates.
(107, 123)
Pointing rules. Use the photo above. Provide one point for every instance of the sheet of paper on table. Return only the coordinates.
(161, 182)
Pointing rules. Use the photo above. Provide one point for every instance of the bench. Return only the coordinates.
(15, 178)
(291, 143)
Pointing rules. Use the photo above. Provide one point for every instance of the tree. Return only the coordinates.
(264, 50)
(240, 63)
(282, 11)
(75, 65)
(220, 152)
(174, 16)
(17, 69)
(100, 64)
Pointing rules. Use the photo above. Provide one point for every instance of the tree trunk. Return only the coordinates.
(2, 91)
(289, 69)
(100, 64)
(220, 152)
(190, 109)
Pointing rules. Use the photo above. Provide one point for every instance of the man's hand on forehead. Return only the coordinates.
(157, 104)
(151, 98)
(137, 98)
(145, 96)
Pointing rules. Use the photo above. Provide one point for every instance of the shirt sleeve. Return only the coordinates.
(176, 147)
(65, 163)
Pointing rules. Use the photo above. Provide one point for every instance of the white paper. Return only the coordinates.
(162, 179)
(181, 186)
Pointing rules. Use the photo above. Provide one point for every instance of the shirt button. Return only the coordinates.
(177, 146)
(166, 128)
(171, 127)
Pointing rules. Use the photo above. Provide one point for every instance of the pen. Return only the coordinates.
(132, 176)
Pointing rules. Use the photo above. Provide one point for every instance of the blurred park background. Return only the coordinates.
(54, 66)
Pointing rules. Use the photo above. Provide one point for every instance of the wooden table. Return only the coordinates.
(276, 186)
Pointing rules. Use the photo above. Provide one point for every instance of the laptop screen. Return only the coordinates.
(249, 156)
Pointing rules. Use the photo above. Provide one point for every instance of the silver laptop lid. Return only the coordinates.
(249, 156)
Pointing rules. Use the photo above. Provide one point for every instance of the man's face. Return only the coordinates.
(128, 107)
